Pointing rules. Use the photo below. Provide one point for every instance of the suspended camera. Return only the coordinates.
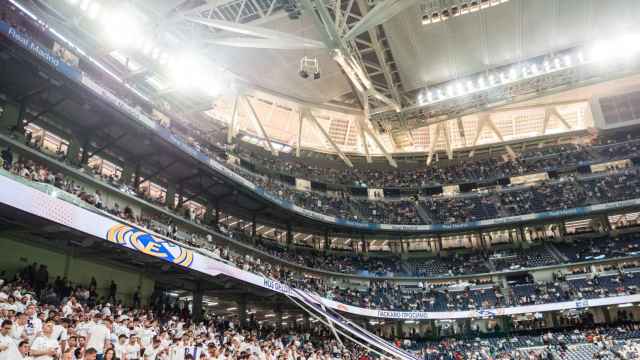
(309, 66)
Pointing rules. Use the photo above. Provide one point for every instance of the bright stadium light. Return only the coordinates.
(121, 26)
(84, 5)
(93, 11)
(190, 71)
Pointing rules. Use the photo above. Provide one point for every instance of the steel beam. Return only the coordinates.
(497, 132)
(299, 139)
(432, 142)
(47, 110)
(365, 122)
(231, 130)
(379, 51)
(363, 136)
(447, 140)
(258, 124)
(158, 172)
(380, 14)
(554, 111)
(324, 133)
(258, 32)
(106, 146)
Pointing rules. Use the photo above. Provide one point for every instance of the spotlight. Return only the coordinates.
(94, 8)
(84, 5)
(426, 19)
(309, 66)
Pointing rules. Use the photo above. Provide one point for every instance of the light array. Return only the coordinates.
(600, 52)
(124, 28)
(433, 17)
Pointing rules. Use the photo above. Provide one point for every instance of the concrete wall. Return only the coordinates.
(15, 255)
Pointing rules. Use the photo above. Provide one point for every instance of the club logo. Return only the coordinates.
(150, 245)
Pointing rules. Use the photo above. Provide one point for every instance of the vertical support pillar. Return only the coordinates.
(196, 304)
(404, 249)
(136, 177)
(365, 248)
(73, 150)
(522, 235)
(253, 226)
(439, 245)
(399, 329)
(22, 112)
(289, 235)
(216, 217)
(242, 312)
(84, 159)
(67, 260)
(278, 312)
(170, 197)
(10, 116)
(327, 242)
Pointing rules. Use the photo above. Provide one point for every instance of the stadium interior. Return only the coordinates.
(319, 179)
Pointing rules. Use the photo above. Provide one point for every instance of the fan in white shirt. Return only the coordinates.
(44, 347)
(8, 347)
(99, 334)
(120, 347)
(18, 332)
(133, 348)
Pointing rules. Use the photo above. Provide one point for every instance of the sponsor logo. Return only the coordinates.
(276, 286)
(150, 245)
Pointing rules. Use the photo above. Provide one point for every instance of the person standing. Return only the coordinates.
(45, 347)
(99, 335)
(8, 348)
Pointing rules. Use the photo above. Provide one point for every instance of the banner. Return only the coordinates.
(15, 193)
(39, 51)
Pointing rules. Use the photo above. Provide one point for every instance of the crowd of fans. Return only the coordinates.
(38, 325)
(68, 326)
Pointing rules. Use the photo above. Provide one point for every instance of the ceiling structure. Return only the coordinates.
(378, 62)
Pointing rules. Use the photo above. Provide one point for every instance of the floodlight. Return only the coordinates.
(450, 90)
(600, 51)
(94, 8)
(628, 44)
(121, 27)
(534, 69)
(429, 96)
(567, 60)
(481, 82)
(84, 5)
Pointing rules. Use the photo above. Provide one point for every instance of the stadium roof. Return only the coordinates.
(380, 56)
